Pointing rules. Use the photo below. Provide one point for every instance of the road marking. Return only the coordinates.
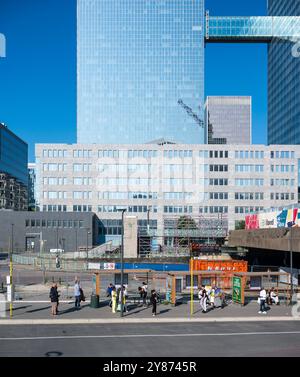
(152, 335)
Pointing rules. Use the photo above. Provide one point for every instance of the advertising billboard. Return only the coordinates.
(285, 218)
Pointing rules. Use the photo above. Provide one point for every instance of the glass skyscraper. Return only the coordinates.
(138, 63)
(283, 81)
(228, 119)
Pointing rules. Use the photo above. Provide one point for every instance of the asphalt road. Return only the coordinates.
(153, 340)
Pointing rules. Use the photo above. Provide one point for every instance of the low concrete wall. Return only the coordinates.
(272, 239)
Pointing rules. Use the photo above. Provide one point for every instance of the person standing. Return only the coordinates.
(54, 299)
(153, 301)
(200, 295)
(77, 294)
(212, 297)
(114, 300)
(274, 297)
(262, 300)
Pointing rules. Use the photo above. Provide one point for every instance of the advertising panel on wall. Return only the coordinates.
(285, 218)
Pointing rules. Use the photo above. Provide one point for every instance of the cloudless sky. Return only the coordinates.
(38, 77)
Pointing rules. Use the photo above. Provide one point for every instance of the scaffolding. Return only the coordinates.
(184, 236)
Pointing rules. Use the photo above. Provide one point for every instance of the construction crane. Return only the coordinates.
(190, 112)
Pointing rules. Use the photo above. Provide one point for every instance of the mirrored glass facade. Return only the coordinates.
(136, 60)
(283, 81)
(228, 119)
(13, 155)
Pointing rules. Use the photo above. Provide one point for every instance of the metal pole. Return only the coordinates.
(11, 271)
(87, 245)
(122, 262)
(56, 238)
(76, 247)
(291, 265)
(192, 287)
(148, 220)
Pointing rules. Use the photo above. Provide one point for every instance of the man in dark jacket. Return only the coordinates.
(54, 299)
(153, 301)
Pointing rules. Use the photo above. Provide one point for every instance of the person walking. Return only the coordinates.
(108, 292)
(145, 289)
(200, 294)
(203, 301)
(153, 301)
(124, 300)
(77, 294)
(54, 298)
(262, 301)
(114, 300)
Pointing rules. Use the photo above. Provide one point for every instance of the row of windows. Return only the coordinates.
(249, 182)
(249, 154)
(249, 196)
(55, 181)
(249, 168)
(37, 223)
(140, 153)
(213, 209)
(214, 182)
(82, 167)
(55, 208)
(127, 195)
(178, 209)
(282, 182)
(55, 153)
(282, 196)
(175, 153)
(247, 209)
(213, 154)
(132, 209)
(177, 195)
(282, 168)
(82, 208)
(282, 154)
(218, 167)
(79, 153)
(82, 195)
(55, 195)
(54, 167)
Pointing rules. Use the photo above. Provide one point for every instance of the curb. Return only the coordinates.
(141, 320)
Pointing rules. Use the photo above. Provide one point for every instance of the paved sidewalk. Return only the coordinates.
(39, 312)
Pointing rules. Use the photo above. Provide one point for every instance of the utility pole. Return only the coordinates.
(291, 264)
(122, 263)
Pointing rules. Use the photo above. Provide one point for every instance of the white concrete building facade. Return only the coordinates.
(161, 181)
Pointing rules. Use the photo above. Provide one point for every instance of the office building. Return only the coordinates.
(283, 81)
(140, 65)
(228, 120)
(218, 181)
(13, 171)
(39, 232)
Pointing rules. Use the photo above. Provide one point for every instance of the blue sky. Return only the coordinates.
(38, 77)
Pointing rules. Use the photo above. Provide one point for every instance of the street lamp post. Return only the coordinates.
(122, 263)
(291, 264)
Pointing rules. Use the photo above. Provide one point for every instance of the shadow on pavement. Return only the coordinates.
(39, 309)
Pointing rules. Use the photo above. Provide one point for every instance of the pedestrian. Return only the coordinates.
(200, 294)
(54, 298)
(108, 293)
(77, 294)
(57, 261)
(122, 292)
(212, 297)
(262, 301)
(145, 289)
(114, 300)
(153, 301)
(203, 301)
(274, 297)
